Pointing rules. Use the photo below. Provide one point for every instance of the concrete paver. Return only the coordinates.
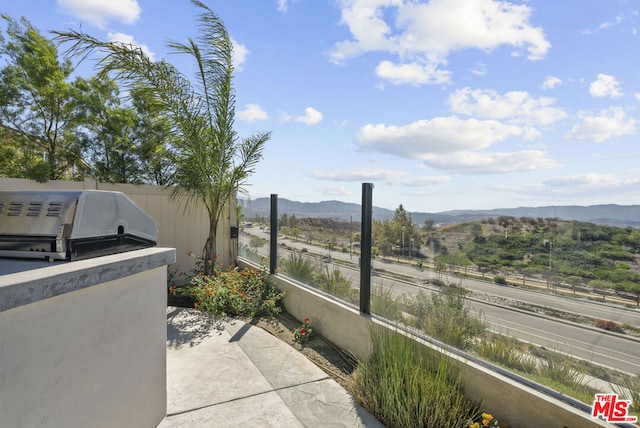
(227, 373)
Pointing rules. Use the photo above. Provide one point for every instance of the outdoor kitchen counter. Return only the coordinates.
(84, 342)
(27, 281)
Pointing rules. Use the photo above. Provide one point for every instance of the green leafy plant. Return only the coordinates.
(246, 292)
(214, 163)
(298, 267)
(446, 317)
(500, 279)
(333, 282)
(303, 333)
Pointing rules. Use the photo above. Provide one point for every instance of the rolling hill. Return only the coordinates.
(611, 214)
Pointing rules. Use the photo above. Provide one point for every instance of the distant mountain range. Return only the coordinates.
(611, 215)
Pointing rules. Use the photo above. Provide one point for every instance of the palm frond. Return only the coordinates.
(212, 164)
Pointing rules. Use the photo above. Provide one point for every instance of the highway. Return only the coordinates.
(617, 351)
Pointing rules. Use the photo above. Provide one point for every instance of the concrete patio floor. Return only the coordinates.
(227, 373)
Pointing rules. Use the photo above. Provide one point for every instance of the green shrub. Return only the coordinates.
(246, 292)
(332, 281)
(500, 279)
(438, 283)
(299, 268)
(446, 317)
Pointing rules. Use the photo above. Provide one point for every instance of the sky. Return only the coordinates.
(441, 104)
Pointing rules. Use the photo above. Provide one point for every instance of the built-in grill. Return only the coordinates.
(72, 224)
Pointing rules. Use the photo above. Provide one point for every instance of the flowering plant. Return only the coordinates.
(244, 292)
(303, 333)
(487, 420)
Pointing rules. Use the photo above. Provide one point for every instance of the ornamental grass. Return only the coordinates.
(405, 385)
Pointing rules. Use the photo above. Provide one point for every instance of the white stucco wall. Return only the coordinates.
(93, 356)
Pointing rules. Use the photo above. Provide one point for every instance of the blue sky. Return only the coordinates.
(442, 104)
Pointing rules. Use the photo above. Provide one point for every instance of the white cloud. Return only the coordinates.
(128, 39)
(551, 82)
(283, 5)
(517, 107)
(637, 95)
(480, 69)
(423, 34)
(413, 73)
(590, 184)
(439, 135)
(609, 24)
(605, 125)
(391, 177)
(252, 112)
(589, 179)
(99, 12)
(240, 53)
(311, 117)
(605, 86)
(443, 26)
(491, 163)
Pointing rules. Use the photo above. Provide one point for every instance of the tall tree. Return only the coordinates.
(404, 231)
(213, 164)
(126, 139)
(37, 100)
(155, 141)
(108, 127)
(18, 159)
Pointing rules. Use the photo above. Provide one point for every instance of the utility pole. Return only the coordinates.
(350, 236)
(549, 277)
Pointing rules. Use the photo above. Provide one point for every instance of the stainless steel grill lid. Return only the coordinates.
(72, 224)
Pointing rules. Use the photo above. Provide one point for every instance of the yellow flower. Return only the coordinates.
(485, 422)
(487, 416)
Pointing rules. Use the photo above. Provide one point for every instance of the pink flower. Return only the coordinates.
(306, 320)
(303, 331)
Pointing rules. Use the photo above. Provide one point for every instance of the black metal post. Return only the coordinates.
(365, 248)
(273, 243)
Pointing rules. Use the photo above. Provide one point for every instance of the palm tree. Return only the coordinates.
(213, 163)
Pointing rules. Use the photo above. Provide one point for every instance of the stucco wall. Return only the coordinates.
(91, 353)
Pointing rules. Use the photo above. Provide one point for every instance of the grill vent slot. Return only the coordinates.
(34, 210)
(15, 209)
(55, 209)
